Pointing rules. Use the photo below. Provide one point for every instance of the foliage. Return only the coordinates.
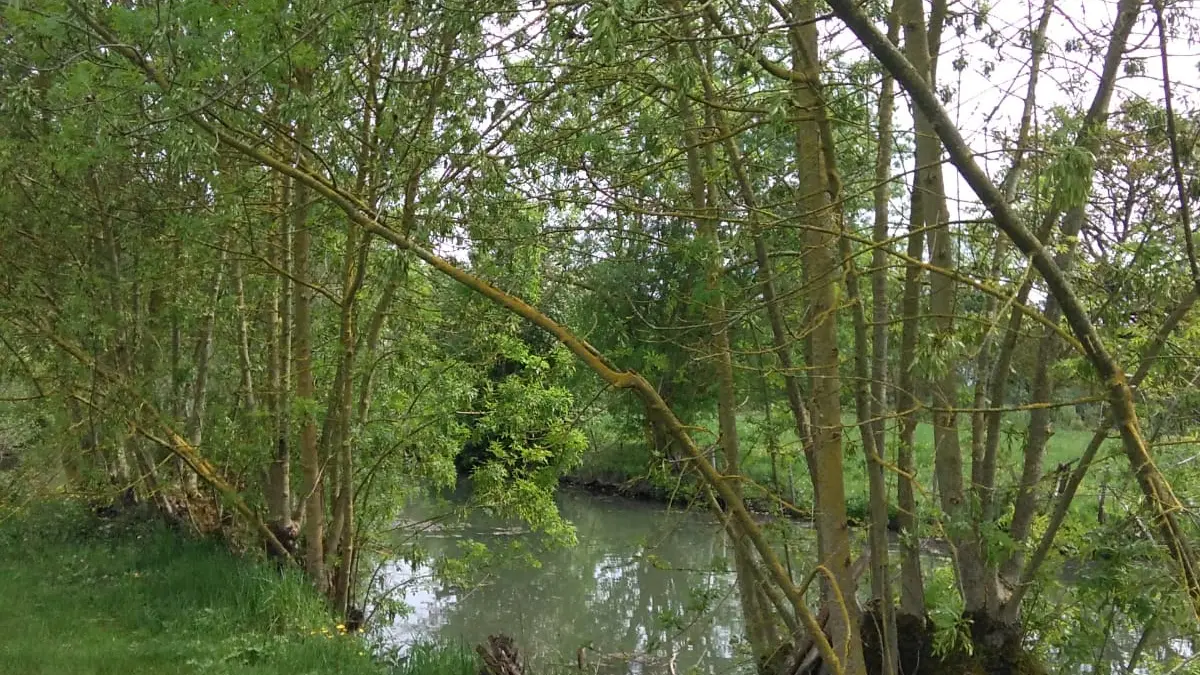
(274, 236)
(90, 595)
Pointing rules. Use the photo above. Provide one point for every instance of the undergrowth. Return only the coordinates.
(83, 595)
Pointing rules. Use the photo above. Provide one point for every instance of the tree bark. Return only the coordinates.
(961, 526)
(881, 586)
(984, 434)
(872, 449)
(759, 626)
(765, 275)
(1049, 346)
(1154, 486)
(201, 358)
(820, 256)
(310, 460)
(245, 362)
(278, 328)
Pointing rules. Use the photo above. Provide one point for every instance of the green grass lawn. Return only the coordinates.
(612, 459)
(84, 596)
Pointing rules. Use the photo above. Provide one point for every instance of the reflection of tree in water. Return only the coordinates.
(641, 585)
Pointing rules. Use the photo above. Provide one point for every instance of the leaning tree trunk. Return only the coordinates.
(1159, 496)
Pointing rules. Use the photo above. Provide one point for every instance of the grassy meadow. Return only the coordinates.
(616, 458)
(90, 596)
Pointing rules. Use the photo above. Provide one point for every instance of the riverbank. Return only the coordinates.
(617, 463)
(642, 489)
(127, 595)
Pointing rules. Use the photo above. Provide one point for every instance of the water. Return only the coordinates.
(645, 590)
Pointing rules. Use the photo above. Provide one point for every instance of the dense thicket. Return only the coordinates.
(273, 266)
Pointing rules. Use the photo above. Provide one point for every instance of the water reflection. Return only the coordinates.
(645, 590)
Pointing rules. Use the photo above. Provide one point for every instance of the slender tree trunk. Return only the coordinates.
(245, 363)
(983, 450)
(961, 524)
(1049, 347)
(759, 626)
(881, 583)
(880, 304)
(114, 348)
(872, 445)
(312, 490)
(342, 538)
(820, 256)
(354, 274)
(912, 587)
(202, 357)
(765, 275)
(278, 328)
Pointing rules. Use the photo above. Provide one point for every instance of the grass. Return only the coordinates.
(85, 596)
(437, 659)
(614, 459)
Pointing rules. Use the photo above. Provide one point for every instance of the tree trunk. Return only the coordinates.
(765, 275)
(820, 256)
(872, 445)
(759, 626)
(278, 328)
(73, 463)
(1049, 347)
(202, 356)
(310, 460)
(342, 535)
(962, 525)
(245, 362)
(279, 356)
(881, 582)
(1154, 486)
(985, 427)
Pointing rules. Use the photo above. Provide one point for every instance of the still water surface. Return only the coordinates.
(632, 592)
(646, 590)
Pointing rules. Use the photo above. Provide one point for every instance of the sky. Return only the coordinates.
(989, 90)
(986, 101)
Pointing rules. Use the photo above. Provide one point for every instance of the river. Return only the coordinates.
(647, 589)
(645, 585)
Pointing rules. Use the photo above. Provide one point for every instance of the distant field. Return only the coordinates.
(616, 458)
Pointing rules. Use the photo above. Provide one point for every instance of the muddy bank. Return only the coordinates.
(685, 496)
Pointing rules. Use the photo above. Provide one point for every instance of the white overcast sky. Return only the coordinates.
(984, 103)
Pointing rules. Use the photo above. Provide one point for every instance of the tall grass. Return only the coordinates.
(435, 658)
(85, 596)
